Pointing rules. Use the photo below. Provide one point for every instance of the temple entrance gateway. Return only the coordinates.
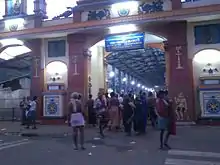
(93, 68)
(120, 67)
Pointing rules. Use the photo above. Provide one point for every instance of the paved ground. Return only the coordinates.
(43, 130)
(192, 146)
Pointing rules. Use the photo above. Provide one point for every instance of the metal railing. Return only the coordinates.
(10, 114)
(6, 103)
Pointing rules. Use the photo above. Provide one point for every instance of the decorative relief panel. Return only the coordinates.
(181, 107)
(210, 103)
(53, 106)
(179, 54)
(149, 6)
(155, 6)
(16, 24)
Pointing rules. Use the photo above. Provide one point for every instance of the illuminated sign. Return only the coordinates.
(129, 41)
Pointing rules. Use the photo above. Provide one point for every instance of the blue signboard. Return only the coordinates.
(129, 41)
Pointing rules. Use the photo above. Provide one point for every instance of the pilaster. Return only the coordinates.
(180, 84)
(40, 8)
(78, 64)
(37, 73)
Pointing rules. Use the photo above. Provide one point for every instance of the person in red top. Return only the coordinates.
(172, 115)
(164, 119)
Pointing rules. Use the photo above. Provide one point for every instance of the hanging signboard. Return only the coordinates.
(121, 42)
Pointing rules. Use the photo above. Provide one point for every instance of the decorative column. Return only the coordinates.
(76, 15)
(89, 75)
(167, 59)
(180, 83)
(40, 8)
(78, 64)
(113, 79)
(106, 75)
(120, 81)
(37, 73)
(129, 83)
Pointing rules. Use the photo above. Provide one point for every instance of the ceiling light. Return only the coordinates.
(132, 83)
(123, 28)
(124, 79)
(111, 74)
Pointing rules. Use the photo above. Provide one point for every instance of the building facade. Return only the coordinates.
(62, 58)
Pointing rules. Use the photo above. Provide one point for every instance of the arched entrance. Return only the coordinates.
(15, 71)
(206, 64)
(127, 71)
(178, 66)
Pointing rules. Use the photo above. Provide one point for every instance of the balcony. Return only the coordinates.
(198, 3)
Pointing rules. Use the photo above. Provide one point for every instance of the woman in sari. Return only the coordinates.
(151, 103)
(114, 111)
(76, 119)
(164, 119)
(91, 111)
(101, 111)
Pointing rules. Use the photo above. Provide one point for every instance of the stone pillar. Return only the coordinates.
(76, 16)
(167, 59)
(120, 81)
(105, 75)
(37, 73)
(113, 79)
(78, 64)
(176, 4)
(180, 83)
(89, 75)
(6, 8)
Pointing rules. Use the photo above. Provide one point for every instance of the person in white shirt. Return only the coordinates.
(31, 113)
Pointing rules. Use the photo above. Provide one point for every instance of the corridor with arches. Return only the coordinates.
(15, 71)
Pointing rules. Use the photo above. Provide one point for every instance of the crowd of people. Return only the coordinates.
(123, 112)
(28, 108)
